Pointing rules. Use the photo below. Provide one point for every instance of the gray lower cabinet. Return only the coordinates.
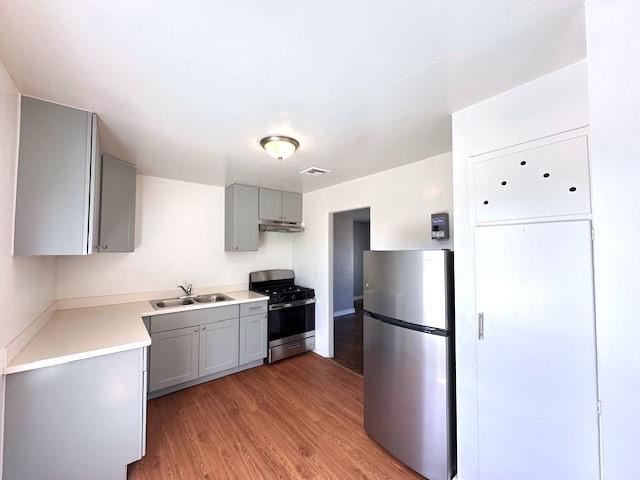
(173, 358)
(193, 346)
(292, 207)
(253, 338)
(117, 206)
(79, 420)
(218, 346)
(241, 218)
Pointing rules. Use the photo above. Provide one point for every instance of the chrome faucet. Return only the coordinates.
(187, 290)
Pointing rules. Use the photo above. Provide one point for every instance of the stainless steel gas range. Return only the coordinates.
(292, 314)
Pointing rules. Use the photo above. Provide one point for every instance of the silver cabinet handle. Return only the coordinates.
(236, 247)
(293, 345)
(259, 307)
(195, 329)
(104, 247)
(204, 328)
(481, 326)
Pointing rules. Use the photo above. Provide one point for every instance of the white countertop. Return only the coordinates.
(81, 333)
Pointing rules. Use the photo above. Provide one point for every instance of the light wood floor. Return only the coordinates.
(299, 418)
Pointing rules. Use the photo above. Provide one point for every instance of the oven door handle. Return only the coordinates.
(297, 303)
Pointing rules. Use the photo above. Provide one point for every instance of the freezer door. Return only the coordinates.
(406, 396)
(411, 285)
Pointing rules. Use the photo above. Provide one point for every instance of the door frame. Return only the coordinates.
(330, 219)
(466, 312)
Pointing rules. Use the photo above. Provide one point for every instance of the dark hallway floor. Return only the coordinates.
(348, 339)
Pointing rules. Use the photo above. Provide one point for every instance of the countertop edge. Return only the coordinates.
(90, 353)
(53, 361)
(189, 308)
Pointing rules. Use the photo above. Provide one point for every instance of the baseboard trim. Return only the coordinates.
(16, 345)
(198, 381)
(341, 313)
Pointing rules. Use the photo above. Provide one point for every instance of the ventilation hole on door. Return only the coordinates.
(546, 175)
(503, 183)
(486, 202)
(572, 189)
(523, 163)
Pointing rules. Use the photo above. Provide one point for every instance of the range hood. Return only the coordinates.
(272, 226)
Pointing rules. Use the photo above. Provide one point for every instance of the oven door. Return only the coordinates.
(291, 321)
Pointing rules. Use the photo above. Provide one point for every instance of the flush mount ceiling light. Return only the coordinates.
(279, 147)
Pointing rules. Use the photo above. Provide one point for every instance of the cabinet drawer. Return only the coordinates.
(173, 321)
(253, 308)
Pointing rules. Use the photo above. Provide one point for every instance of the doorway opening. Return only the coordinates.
(351, 238)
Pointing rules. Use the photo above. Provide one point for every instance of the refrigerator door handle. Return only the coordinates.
(481, 326)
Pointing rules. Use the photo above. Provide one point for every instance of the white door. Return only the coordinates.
(219, 346)
(537, 393)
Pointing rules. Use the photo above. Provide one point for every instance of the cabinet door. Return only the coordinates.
(52, 214)
(253, 338)
(218, 346)
(537, 390)
(270, 204)
(245, 218)
(173, 357)
(292, 207)
(118, 205)
(95, 187)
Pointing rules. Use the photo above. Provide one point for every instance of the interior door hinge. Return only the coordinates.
(599, 407)
(593, 235)
(480, 326)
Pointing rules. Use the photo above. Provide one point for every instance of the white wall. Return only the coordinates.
(613, 41)
(27, 284)
(401, 202)
(361, 243)
(554, 103)
(179, 237)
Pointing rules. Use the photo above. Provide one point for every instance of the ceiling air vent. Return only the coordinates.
(315, 171)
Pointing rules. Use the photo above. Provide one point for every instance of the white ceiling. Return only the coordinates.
(185, 89)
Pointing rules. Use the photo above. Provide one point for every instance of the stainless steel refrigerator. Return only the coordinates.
(409, 371)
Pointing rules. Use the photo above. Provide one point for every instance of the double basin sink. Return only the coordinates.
(189, 300)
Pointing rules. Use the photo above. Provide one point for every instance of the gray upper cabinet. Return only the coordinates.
(55, 193)
(292, 207)
(117, 206)
(241, 218)
(270, 204)
(61, 182)
(280, 206)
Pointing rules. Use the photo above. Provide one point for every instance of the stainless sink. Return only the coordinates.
(171, 302)
(212, 298)
(186, 301)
